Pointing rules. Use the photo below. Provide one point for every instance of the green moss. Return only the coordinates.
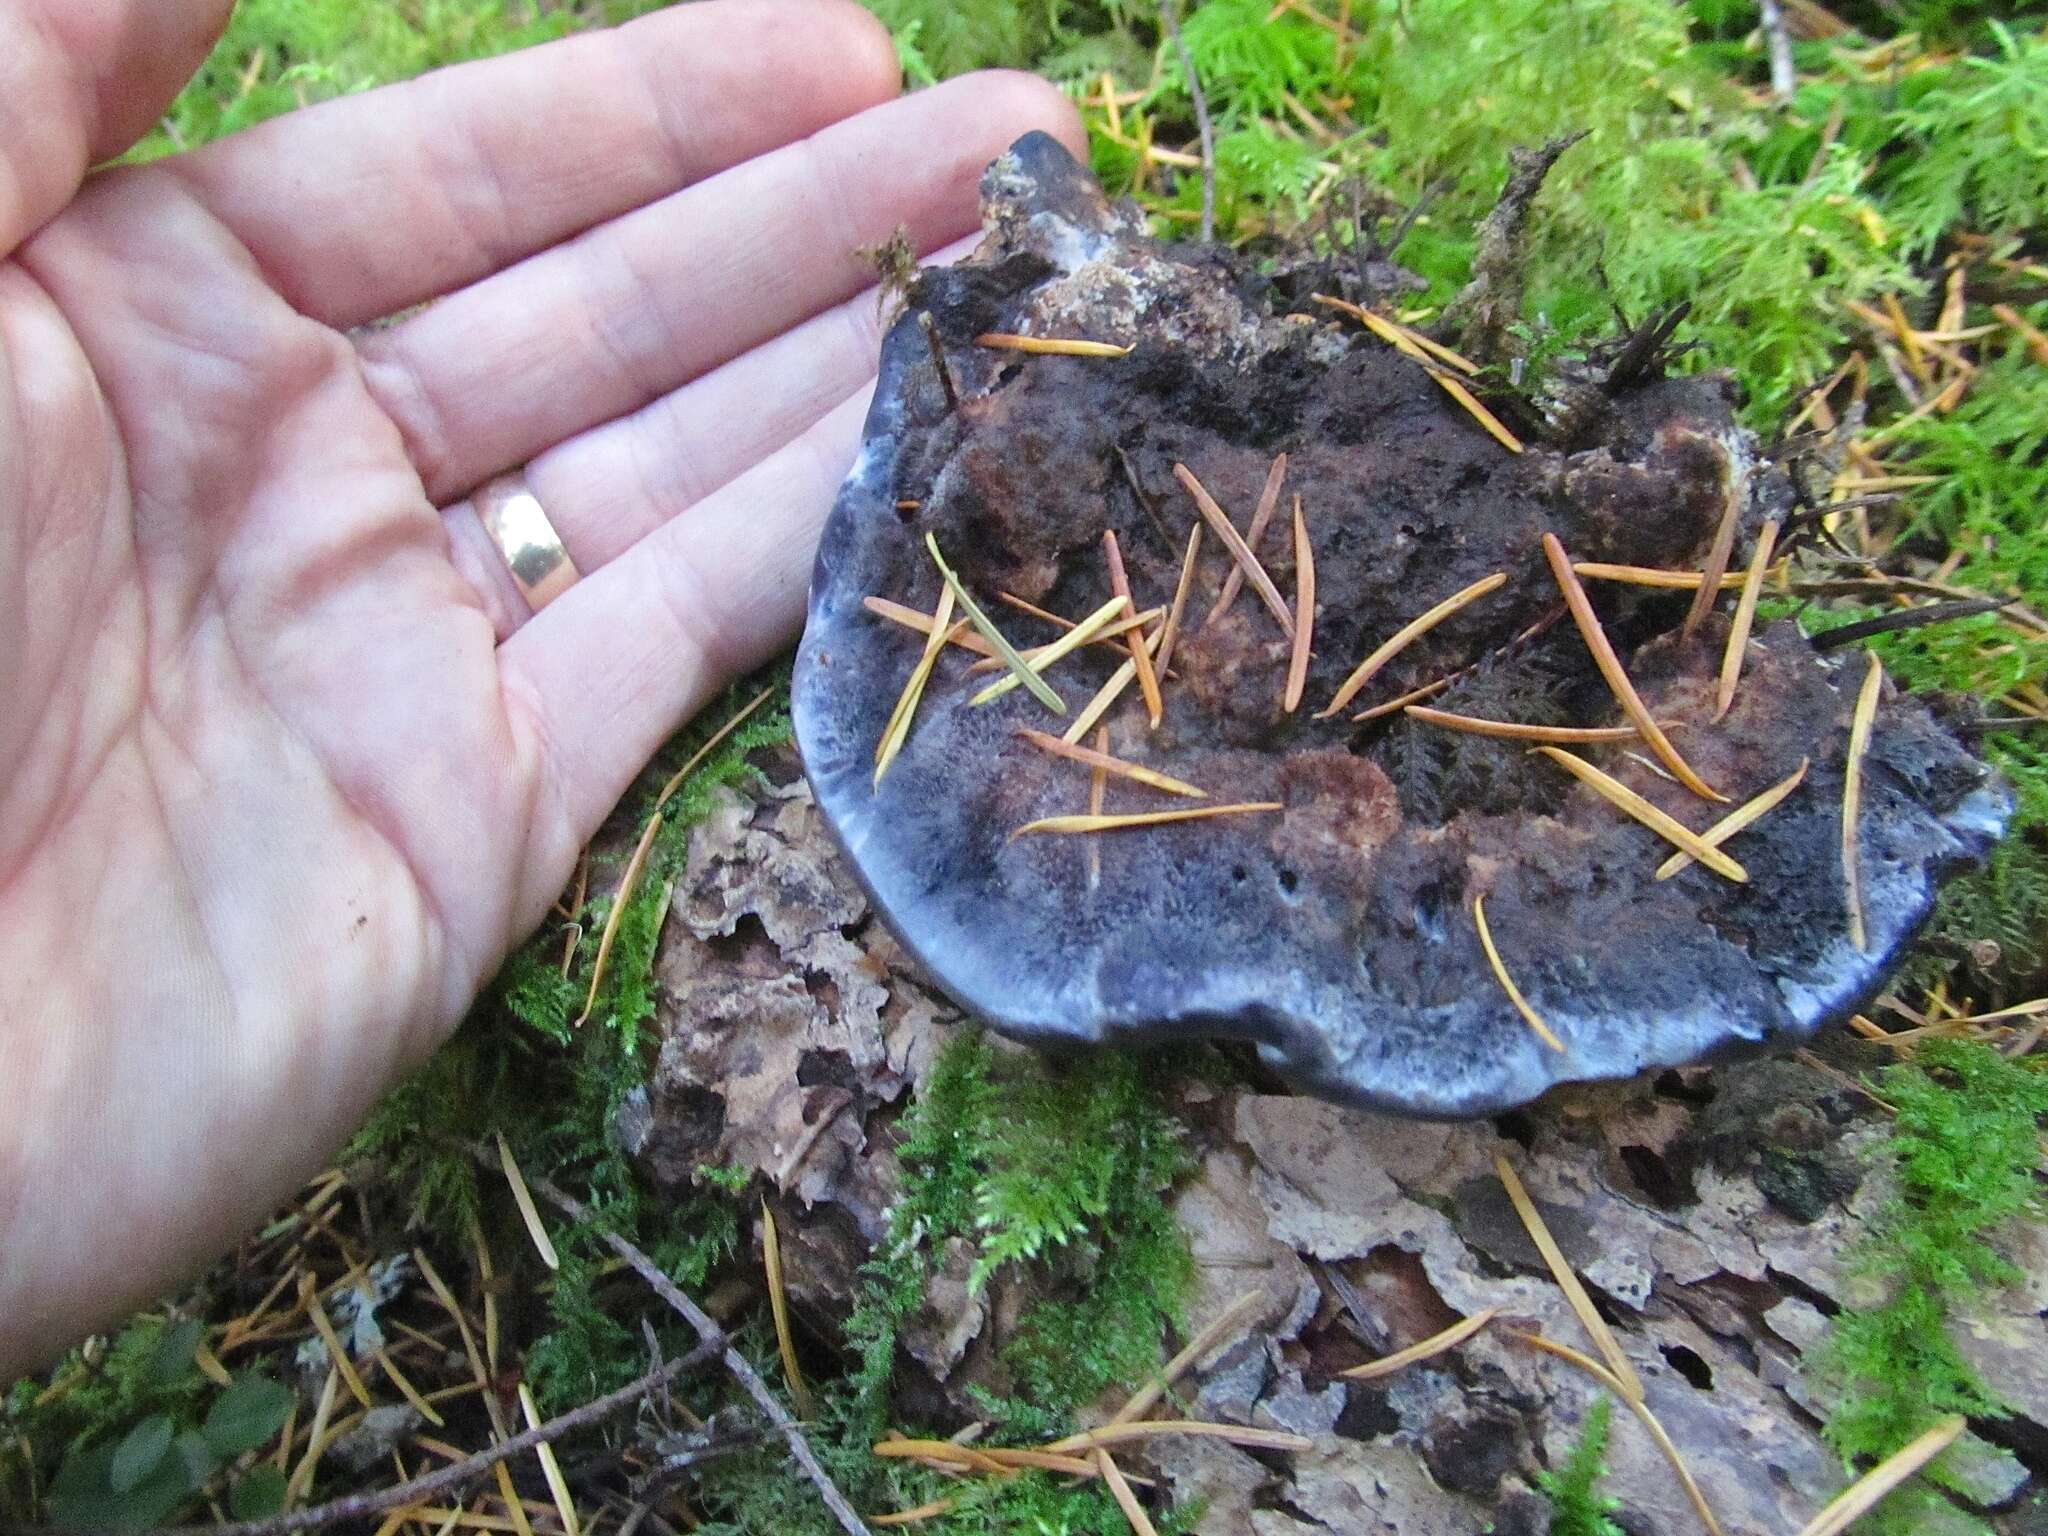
(1577, 1506)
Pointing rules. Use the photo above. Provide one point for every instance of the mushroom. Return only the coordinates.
(1427, 919)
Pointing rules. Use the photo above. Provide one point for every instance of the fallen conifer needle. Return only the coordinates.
(1651, 576)
(1141, 654)
(897, 731)
(1102, 762)
(992, 635)
(1734, 495)
(1262, 514)
(1240, 551)
(1628, 801)
(1855, 1501)
(1407, 635)
(1170, 636)
(1509, 730)
(1427, 690)
(1105, 696)
(1453, 387)
(550, 1468)
(1507, 983)
(1852, 796)
(915, 1515)
(1052, 346)
(1617, 676)
(628, 884)
(1630, 1385)
(1126, 1500)
(1304, 611)
(1146, 1429)
(1114, 630)
(1140, 1402)
(1742, 816)
(746, 712)
(528, 1211)
(778, 1308)
(1745, 617)
(921, 622)
(1073, 824)
(1044, 656)
(1435, 1344)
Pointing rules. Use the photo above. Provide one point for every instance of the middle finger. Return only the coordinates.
(491, 376)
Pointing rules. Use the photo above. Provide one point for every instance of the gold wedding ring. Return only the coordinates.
(533, 551)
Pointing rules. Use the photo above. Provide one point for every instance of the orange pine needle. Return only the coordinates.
(1508, 730)
(1115, 629)
(1076, 824)
(1479, 413)
(1404, 338)
(1852, 796)
(1732, 497)
(1748, 812)
(1141, 656)
(1053, 346)
(1304, 611)
(1407, 635)
(1435, 1344)
(1651, 576)
(1427, 690)
(1745, 616)
(629, 882)
(1262, 514)
(1617, 677)
(921, 622)
(778, 1308)
(1097, 707)
(1240, 551)
(1171, 635)
(1103, 762)
(1627, 800)
(1126, 1500)
(1629, 1384)
(1507, 983)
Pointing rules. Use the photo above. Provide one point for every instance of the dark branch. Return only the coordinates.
(1905, 618)
(931, 339)
(1170, 19)
(1487, 306)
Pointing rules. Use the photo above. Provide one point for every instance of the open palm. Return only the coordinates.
(285, 765)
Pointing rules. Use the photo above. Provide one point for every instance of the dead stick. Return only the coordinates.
(1170, 19)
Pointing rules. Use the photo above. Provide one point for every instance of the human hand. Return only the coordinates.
(285, 765)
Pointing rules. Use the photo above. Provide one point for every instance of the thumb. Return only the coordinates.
(80, 81)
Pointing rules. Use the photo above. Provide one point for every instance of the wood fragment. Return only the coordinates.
(939, 364)
(1627, 800)
(1508, 730)
(629, 884)
(1051, 346)
(1861, 1496)
(1304, 611)
(1102, 762)
(1407, 635)
(1652, 576)
(1044, 656)
(550, 1469)
(1742, 816)
(1507, 983)
(1745, 616)
(1077, 824)
(1262, 514)
(1170, 636)
(1141, 656)
(1436, 1344)
(1631, 1386)
(1617, 676)
(994, 636)
(1734, 493)
(1852, 797)
(528, 1212)
(1239, 550)
(778, 1308)
(897, 731)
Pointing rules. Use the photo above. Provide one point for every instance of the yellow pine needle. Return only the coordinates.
(1666, 1447)
(1745, 616)
(1403, 338)
(975, 1458)
(1115, 629)
(1651, 576)
(1852, 796)
(1126, 1500)
(1617, 676)
(1240, 551)
(1407, 635)
(778, 1307)
(551, 1469)
(1097, 707)
(897, 731)
(1628, 801)
(745, 713)
(1304, 611)
(509, 1496)
(914, 619)
(408, 1391)
(1508, 730)
(309, 1298)
(528, 1212)
(1435, 1344)
(1098, 790)
(1044, 656)
(992, 635)
(1076, 824)
(1857, 1500)
(1427, 690)
(629, 882)
(1479, 413)
(1507, 983)
(1171, 635)
(316, 1441)
(1628, 1383)
(1146, 1429)
(1102, 762)
(1262, 514)
(1742, 816)
(1141, 1401)
(1050, 346)
(1717, 553)
(1141, 655)
(486, 1283)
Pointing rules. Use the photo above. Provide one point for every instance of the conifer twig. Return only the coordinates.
(1169, 18)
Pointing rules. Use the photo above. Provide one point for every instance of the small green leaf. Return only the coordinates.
(200, 1460)
(171, 1361)
(83, 1493)
(258, 1493)
(137, 1456)
(248, 1412)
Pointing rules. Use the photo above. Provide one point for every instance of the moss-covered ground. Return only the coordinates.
(1880, 228)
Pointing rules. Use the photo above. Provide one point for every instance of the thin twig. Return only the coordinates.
(1784, 78)
(1170, 19)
